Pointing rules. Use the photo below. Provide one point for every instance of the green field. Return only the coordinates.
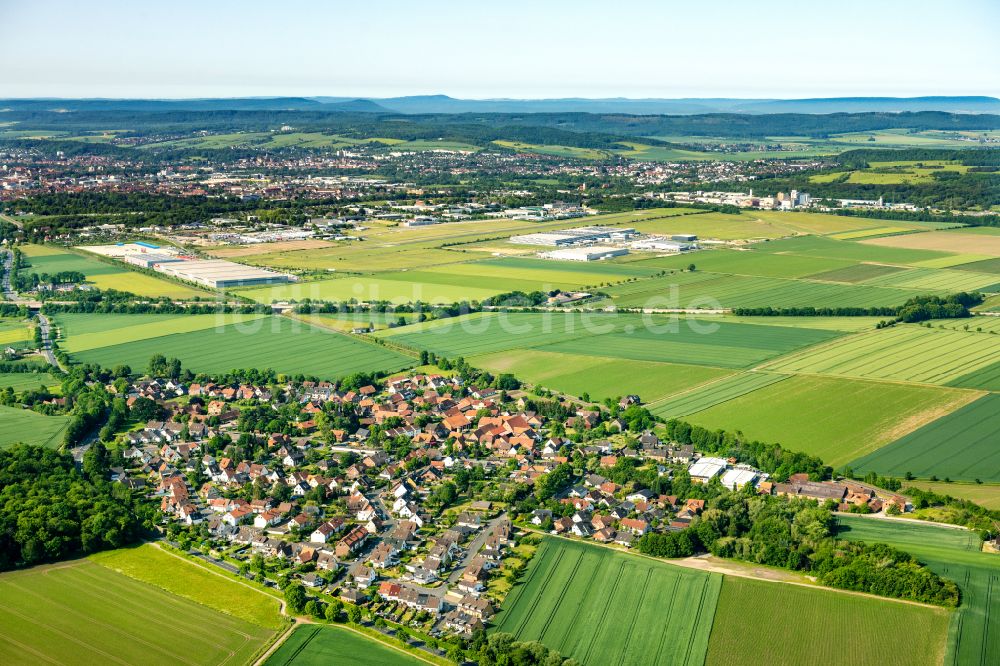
(974, 635)
(602, 378)
(16, 333)
(23, 425)
(856, 273)
(103, 275)
(657, 338)
(984, 494)
(748, 262)
(600, 606)
(833, 418)
(203, 585)
(829, 248)
(757, 622)
(960, 446)
(83, 613)
(908, 353)
(315, 645)
(280, 343)
(107, 330)
(407, 287)
(709, 395)
(19, 381)
(718, 290)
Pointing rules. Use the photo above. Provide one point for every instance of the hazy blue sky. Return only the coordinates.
(513, 48)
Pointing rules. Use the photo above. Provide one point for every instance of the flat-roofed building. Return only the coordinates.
(222, 274)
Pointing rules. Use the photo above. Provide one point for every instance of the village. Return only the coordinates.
(413, 499)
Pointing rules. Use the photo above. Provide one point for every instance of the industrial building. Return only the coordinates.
(590, 253)
(577, 236)
(221, 274)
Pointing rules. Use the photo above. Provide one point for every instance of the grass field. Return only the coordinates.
(960, 446)
(23, 425)
(748, 262)
(280, 343)
(15, 333)
(599, 606)
(640, 338)
(908, 353)
(708, 290)
(315, 645)
(602, 378)
(714, 393)
(836, 419)
(20, 381)
(984, 494)
(393, 287)
(788, 625)
(879, 250)
(159, 568)
(107, 330)
(974, 634)
(83, 613)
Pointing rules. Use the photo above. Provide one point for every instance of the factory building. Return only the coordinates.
(221, 274)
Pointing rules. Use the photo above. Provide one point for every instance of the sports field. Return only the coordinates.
(908, 353)
(656, 338)
(82, 613)
(788, 625)
(280, 343)
(316, 645)
(103, 275)
(600, 606)
(974, 635)
(836, 419)
(961, 445)
(602, 378)
(23, 425)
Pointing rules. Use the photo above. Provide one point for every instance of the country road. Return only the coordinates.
(46, 328)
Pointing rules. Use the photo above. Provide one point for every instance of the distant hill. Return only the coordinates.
(229, 104)
(685, 106)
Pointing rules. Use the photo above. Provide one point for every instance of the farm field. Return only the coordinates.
(714, 393)
(545, 273)
(856, 273)
(646, 338)
(394, 287)
(707, 290)
(747, 262)
(23, 425)
(960, 446)
(176, 575)
(663, 614)
(315, 645)
(836, 419)
(984, 494)
(981, 265)
(942, 279)
(279, 343)
(20, 381)
(345, 322)
(908, 353)
(974, 635)
(601, 378)
(803, 626)
(717, 226)
(878, 250)
(948, 241)
(51, 259)
(80, 612)
(106, 330)
(869, 233)
(15, 333)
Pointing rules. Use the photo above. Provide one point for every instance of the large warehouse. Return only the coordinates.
(577, 236)
(221, 274)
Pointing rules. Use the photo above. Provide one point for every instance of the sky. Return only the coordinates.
(491, 49)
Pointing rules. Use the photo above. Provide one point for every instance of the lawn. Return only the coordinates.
(660, 338)
(787, 625)
(961, 446)
(600, 606)
(176, 575)
(280, 343)
(908, 353)
(316, 645)
(82, 613)
(23, 425)
(601, 378)
(836, 419)
(974, 636)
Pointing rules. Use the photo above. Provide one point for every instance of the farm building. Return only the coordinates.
(221, 274)
(592, 253)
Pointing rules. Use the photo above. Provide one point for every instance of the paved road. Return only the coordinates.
(474, 548)
(43, 324)
(8, 264)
